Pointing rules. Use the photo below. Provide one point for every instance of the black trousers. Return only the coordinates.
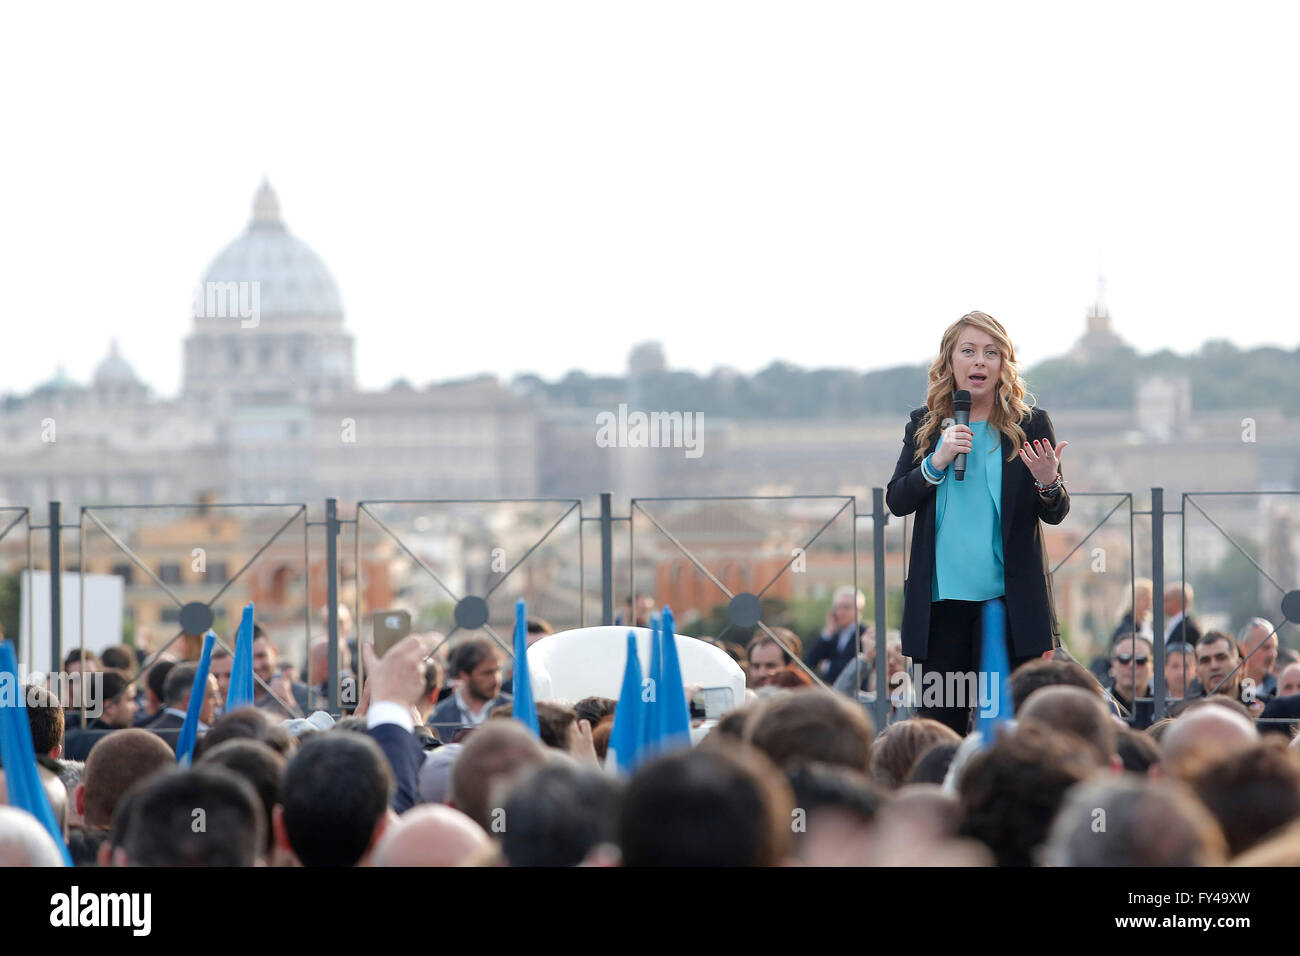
(956, 632)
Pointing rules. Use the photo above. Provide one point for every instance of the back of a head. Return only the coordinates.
(1253, 794)
(924, 810)
(1222, 701)
(1077, 711)
(595, 709)
(1138, 751)
(1012, 790)
(896, 751)
(24, 842)
(115, 682)
(1038, 673)
(932, 766)
(246, 723)
(156, 679)
(45, 715)
(118, 762)
(818, 786)
(179, 683)
(835, 810)
(86, 660)
(258, 764)
(336, 791)
(431, 835)
(1202, 736)
(434, 780)
(48, 771)
(1158, 730)
(558, 813)
(731, 725)
(206, 816)
(118, 657)
(720, 807)
(813, 726)
(493, 755)
(1132, 821)
(553, 722)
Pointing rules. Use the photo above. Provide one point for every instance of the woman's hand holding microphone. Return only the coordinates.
(956, 440)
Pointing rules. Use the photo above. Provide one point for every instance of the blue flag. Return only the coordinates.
(524, 709)
(22, 779)
(240, 693)
(199, 691)
(674, 711)
(625, 736)
(994, 663)
(651, 694)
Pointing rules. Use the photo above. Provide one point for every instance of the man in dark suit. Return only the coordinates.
(837, 643)
(119, 706)
(176, 697)
(1179, 623)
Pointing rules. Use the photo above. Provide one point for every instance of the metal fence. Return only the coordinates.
(730, 565)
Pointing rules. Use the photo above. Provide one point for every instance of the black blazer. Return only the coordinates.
(1186, 630)
(165, 721)
(1030, 614)
(827, 650)
(405, 755)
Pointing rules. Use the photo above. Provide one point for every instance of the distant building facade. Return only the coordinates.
(268, 409)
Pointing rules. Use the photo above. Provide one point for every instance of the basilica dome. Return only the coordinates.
(292, 281)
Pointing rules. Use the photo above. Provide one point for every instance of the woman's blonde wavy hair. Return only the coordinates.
(1012, 403)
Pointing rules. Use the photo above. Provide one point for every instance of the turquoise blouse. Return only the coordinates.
(968, 560)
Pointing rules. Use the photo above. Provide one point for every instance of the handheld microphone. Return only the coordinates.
(961, 412)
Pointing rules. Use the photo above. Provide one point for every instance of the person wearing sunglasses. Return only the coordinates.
(1130, 669)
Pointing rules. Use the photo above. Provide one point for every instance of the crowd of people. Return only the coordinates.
(432, 769)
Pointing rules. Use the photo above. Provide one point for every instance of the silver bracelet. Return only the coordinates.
(1050, 491)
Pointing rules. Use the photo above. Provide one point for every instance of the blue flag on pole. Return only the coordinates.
(651, 694)
(524, 708)
(994, 663)
(199, 691)
(22, 779)
(674, 711)
(240, 693)
(625, 736)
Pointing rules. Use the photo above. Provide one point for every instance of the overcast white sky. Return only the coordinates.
(539, 185)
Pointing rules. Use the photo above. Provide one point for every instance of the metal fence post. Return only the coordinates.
(607, 558)
(332, 596)
(1157, 597)
(56, 589)
(879, 519)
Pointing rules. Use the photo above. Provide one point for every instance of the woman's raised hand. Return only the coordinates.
(1042, 459)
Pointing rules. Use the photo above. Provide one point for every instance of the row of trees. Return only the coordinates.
(1222, 377)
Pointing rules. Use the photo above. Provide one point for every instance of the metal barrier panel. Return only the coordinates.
(1094, 561)
(1238, 551)
(731, 567)
(16, 605)
(185, 568)
(459, 565)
